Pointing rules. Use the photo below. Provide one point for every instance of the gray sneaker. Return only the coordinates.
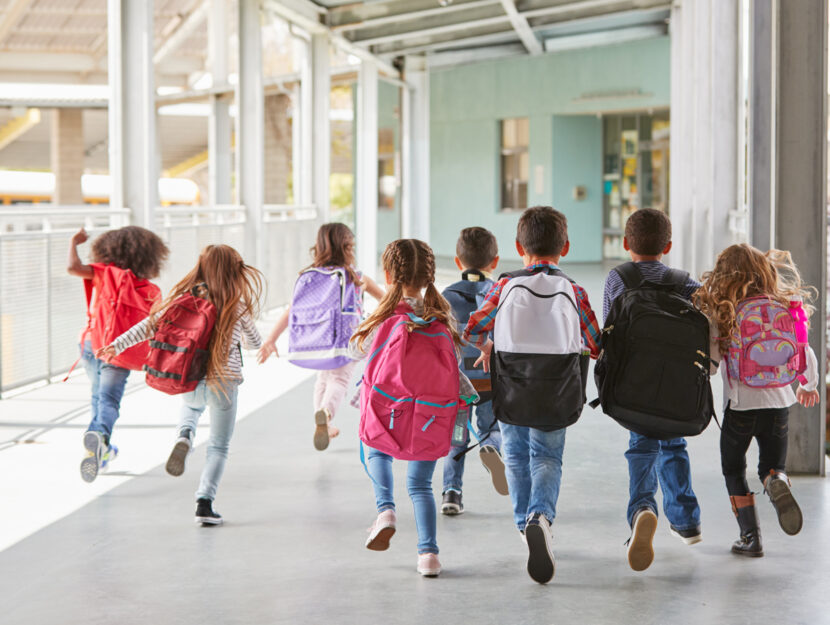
(95, 447)
(176, 461)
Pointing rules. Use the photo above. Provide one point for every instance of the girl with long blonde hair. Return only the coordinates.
(744, 276)
(234, 288)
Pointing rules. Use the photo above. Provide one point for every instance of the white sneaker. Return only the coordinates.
(176, 461)
(321, 430)
(428, 565)
(540, 561)
(381, 531)
(640, 551)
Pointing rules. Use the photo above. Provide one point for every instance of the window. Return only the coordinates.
(515, 163)
(387, 166)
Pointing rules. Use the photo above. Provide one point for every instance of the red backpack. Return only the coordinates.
(178, 356)
(121, 301)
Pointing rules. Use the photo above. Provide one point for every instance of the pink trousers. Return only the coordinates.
(331, 387)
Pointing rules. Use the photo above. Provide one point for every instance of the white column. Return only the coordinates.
(219, 122)
(132, 109)
(319, 97)
(299, 147)
(366, 213)
(250, 134)
(416, 216)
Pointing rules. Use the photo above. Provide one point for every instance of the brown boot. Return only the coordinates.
(749, 544)
(777, 486)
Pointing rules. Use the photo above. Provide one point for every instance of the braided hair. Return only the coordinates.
(410, 264)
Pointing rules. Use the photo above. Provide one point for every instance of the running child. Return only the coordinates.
(410, 393)
(327, 306)
(477, 256)
(123, 261)
(755, 303)
(234, 288)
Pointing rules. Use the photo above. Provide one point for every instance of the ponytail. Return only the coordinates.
(385, 309)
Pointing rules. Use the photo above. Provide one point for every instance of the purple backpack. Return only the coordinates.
(325, 312)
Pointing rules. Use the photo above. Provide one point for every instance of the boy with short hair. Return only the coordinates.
(653, 462)
(533, 453)
(477, 256)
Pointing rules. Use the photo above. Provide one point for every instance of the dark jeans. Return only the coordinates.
(769, 427)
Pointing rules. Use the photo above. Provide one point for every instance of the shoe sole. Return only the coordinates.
(540, 563)
(494, 464)
(206, 520)
(176, 461)
(89, 469)
(789, 514)
(321, 432)
(451, 509)
(94, 444)
(381, 541)
(640, 549)
(429, 572)
(748, 554)
(691, 540)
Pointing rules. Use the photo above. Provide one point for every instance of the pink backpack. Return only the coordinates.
(767, 349)
(409, 399)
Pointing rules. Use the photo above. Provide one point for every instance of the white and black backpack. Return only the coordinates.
(537, 367)
(653, 371)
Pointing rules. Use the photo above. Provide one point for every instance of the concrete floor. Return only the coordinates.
(291, 550)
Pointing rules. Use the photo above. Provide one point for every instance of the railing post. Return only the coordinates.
(48, 267)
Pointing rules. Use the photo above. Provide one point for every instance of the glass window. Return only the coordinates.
(515, 163)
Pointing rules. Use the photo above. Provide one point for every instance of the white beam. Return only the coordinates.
(219, 123)
(11, 16)
(318, 101)
(409, 15)
(522, 28)
(366, 166)
(185, 29)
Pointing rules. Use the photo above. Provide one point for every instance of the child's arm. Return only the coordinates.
(251, 338)
(588, 322)
(372, 288)
(484, 319)
(74, 266)
(807, 395)
(269, 346)
(138, 333)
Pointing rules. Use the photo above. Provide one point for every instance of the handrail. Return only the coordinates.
(200, 209)
(282, 212)
(60, 211)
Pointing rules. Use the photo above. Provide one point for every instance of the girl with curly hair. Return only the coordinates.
(141, 254)
(753, 294)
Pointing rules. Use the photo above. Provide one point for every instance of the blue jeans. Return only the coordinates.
(652, 462)
(108, 382)
(222, 419)
(533, 460)
(418, 483)
(485, 422)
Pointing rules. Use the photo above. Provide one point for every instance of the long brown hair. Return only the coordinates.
(742, 271)
(335, 248)
(410, 264)
(233, 287)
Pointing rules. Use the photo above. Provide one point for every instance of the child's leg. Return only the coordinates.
(546, 449)
(454, 469)
(334, 383)
(379, 466)
(194, 405)
(516, 451)
(222, 419)
(643, 455)
(675, 473)
(92, 366)
(419, 484)
(736, 434)
(488, 428)
(110, 391)
(772, 444)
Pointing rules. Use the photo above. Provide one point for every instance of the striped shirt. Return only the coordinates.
(651, 270)
(245, 334)
(483, 320)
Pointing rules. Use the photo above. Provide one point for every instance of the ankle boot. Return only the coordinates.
(777, 486)
(749, 544)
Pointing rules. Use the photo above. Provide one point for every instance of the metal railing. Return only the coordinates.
(42, 308)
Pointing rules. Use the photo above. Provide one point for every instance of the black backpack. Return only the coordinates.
(653, 369)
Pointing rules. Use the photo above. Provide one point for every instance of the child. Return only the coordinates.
(334, 250)
(477, 257)
(653, 462)
(143, 253)
(533, 454)
(234, 288)
(757, 404)
(409, 269)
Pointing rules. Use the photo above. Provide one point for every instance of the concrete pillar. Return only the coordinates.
(219, 122)
(132, 109)
(67, 155)
(250, 130)
(320, 104)
(415, 204)
(800, 191)
(366, 167)
(278, 139)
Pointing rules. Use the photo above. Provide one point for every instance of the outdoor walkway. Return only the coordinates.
(125, 549)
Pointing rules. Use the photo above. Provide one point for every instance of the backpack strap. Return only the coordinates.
(630, 275)
(478, 275)
(676, 278)
(551, 271)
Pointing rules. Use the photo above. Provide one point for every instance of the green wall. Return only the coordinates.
(561, 94)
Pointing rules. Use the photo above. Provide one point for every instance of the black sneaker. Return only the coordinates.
(690, 536)
(451, 503)
(205, 514)
(540, 561)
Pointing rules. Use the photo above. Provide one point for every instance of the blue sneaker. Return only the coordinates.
(110, 455)
(94, 445)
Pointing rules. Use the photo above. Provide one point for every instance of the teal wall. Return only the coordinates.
(467, 103)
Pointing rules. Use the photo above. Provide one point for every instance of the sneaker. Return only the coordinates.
(381, 531)
(690, 536)
(181, 449)
(321, 432)
(94, 444)
(491, 459)
(428, 564)
(110, 455)
(777, 486)
(451, 503)
(640, 551)
(540, 562)
(205, 514)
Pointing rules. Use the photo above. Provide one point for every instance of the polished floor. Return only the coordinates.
(291, 550)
